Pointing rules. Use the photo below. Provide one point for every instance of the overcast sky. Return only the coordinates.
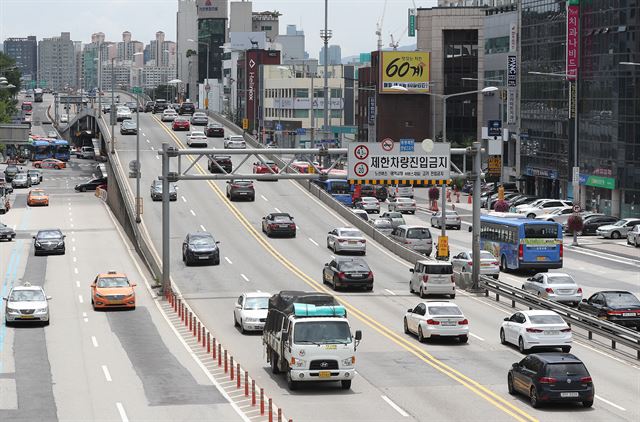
(353, 22)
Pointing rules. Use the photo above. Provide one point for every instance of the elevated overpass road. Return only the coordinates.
(386, 282)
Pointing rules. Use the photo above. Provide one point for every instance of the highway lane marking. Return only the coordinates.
(476, 336)
(148, 141)
(277, 210)
(94, 341)
(143, 134)
(153, 149)
(123, 414)
(263, 197)
(395, 406)
(610, 403)
(202, 227)
(107, 375)
(164, 315)
(474, 386)
(228, 260)
(157, 157)
(77, 283)
(74, 259)
(390, 292)
(73, 239)
(75, 270)
(603, 255)
(80, 299)
(183, 198)
(71, 225)
(192, 213)
(244, 277)
(313, 241)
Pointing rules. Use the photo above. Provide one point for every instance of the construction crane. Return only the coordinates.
(379, 25)
(395, 43)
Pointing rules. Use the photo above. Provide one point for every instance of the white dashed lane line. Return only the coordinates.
(475, 336)
(263, 197)
(94, 341)
(390, 292)
(313, 241)
(202, 228)
(277, 210)
(183, 199)
(123, 414)
(244, 277)
(226, 258)
(611, 403)
(107, 375)
(395, 406)
(192, 213)
(80, 299)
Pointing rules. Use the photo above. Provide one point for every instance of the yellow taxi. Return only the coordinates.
(112, 290)
(37, 197)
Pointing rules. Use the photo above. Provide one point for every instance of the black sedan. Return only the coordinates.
(7, 232)
(156, 191)
(348, 272)
(128, 127)
(214, 130)
(551, 377)
(200, 247)
(223, 163)
(91, 184)
(10, 172)
(279, 224)
(49, 241)
(618, 306)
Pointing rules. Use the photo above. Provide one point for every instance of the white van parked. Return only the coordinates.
(403, 190)
(432, 278)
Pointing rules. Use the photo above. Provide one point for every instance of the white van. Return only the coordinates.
(403, 190)
(432, 278)
(87, 152)
(416, 238)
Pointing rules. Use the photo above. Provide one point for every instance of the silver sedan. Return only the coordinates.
(558, 287)
(633, 237)
(401, 204)
(452, 220)
(369, 204)
(489, 265)
(347, 239)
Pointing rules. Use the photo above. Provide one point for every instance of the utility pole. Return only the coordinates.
(138, 199)
(112, 111)
(166, 252)
(475, 238)
(326, 35)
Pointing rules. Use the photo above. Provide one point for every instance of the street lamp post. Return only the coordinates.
(138, 199)
(113, 108)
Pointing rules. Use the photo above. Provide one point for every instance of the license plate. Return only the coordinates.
(448, 323)
(242, 193)
(324, 374)
(542, 258)
(352, 242)
(27, 316)
(203, 257)
(484, 265)
(552, 332)
(629, 314)
(282, 226)
(569, 394)
(330, 347)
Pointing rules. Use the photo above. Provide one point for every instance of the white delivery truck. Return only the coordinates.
(307, 336)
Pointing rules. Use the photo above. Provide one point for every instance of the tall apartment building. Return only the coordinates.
(334, 55)
(211, 36)
(186, 57)
(57, 62)
(25, 52)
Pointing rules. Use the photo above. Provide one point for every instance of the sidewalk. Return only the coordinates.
(616, 248)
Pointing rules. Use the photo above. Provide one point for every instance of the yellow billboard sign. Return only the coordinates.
(407, 69)
(245, 123)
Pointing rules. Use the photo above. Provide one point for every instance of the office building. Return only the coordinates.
(186, 51)
(334, 55)
(25, 53)
(57, 62)
(211, 36)
(267, 22)
(291, 44)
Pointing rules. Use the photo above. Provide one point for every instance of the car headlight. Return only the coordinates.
(60, 243)
(12, 311)
(349, 361)
(99, 295)
(38, 243)
(41, 310)
(298, 363)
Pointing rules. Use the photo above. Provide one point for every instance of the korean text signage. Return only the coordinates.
(412, 23)
(251, 82)
(385, 160)
(494, 127)
(372, 110)
(408, 69)
(513, 38)
(512, 71)
(495, 165)
(212, 9)
(511, 106)
(573, 36)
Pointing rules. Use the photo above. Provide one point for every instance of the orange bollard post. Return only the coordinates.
(261, 401)
(209, 343)
(231, 368)
(214, 348)
(219, 354)
(238, 375)
(246, 384)
(270, 410)
(279, 415)
(199, 331)
(469, 199)
(204, 341)
(226, 362)
(190, 322)
(253, 392)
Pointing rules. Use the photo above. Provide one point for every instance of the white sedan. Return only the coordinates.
(489, 264)
(123, 113)
(347, 239)
(558, 287)
(536, 329)
(250, 312)
(402, 204)
(436, 319)
(452, 220)
(369, 204)
(557, 216)
(169, 115)
(197, 138)
(235, 142)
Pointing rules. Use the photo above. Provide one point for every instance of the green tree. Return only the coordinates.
(7, 102)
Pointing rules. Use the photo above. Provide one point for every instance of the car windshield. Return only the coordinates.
(418, 233)
(622, 299)
(546, 319)
(350, 233)
(353, 265)
(444, 310)
(322, 332)
(281, 219)
(560, 279)
(20, 176)
(197, 133)
(257, 303)
(108, 282)
(26, 296)
(540, 231)
(394, 215)
(439, 269)
(49, 234)
(202, 241)
(620, 223)
(382, 224)
(38, 193)
(404, 200)
(565, 369)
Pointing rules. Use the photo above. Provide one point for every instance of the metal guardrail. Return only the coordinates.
(614, 332)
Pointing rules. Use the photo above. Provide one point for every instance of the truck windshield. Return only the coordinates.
(322, 332)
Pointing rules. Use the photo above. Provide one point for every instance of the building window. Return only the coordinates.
(301, 114)
(265, 28)
(496, 45)
(336, 114)
(318, 93)
(301, 93)
(336, 93)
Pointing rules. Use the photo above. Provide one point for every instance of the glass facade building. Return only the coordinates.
(212, 32)
(608, 104)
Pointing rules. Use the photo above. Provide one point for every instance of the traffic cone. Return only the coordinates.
(469, 199)
(435, 206)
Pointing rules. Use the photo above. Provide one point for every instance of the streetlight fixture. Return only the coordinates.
(138, 199)
(630, 63)
(206, 85)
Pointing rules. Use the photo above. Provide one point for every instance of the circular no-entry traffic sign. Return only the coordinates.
(361, 152)
(361, 169)
(387, 144)
(576, 208)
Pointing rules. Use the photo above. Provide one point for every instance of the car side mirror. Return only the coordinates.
(329, 233)
(470, 229)
(217, 242)
(410, 310)
(134, 285)
(64, 236)
(411, 270)
(584, 300)
(506, 319)
(515, 365)
(358, 335)
(33, 237)
(49, 297)
(4, 298)
(238, 306)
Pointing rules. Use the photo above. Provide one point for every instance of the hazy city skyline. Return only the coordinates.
(353, 22)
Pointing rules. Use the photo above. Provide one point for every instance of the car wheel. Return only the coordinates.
(503, 340)
(334, 285)
(421, 337)
(406, 327)
(532, 215)
(533, 398)
(510, 388)
(637, 244)
(83, 189)
(216, 261)
(566, 349)
(463, 339)
(235, 320)
(587, 403)
(411, 288)
(495, 276)
(521, 346)
(242, 330)
(615, 235)
(274, 363)
(423, 295)
(291, 384)
(184, 258)
(345, 384)
(503, 264)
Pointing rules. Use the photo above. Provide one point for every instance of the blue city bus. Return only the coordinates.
(522, 243)
(61, 149)
(340, 189)
(41, 150)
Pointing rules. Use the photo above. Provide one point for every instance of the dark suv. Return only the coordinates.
(551, 377)
(244, 189)
(10, 172)
(223, 161)
(160, 105)
(148, 106)
(187, 108)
